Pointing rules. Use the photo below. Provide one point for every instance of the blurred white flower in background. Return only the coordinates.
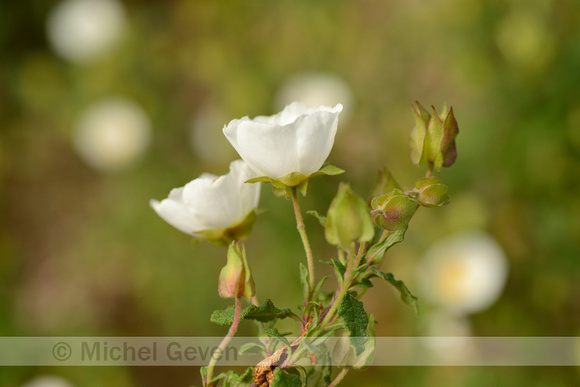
(447, 336)
(48, 381)
(112, 134)
(83, 30)
(464, 273)
(316, 89)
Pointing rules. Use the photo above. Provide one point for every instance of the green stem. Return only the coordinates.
(305, 242)
(225, 342)
(429, 170)
(339, 377)
(348, 275)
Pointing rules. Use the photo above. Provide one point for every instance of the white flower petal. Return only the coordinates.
(210, 202)
(270, 150)
(315, 139)
(177, 214)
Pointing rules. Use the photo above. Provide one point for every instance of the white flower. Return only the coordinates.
(83, 30)
(211, 204)
(298, 139)
(464, 273)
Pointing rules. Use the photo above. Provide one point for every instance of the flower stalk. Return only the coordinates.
(305, 242)
(226, 340)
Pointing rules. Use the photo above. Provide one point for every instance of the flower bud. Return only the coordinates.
(431, 192)
(433, 137)
(235, 277)
(394, 210)
(348, 219)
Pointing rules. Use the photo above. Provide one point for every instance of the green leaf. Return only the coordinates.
(355, 319)
(321, 219)
(304, 280)
(273, 332)
(366, 357)
(378, 250)
(406, 295)
(339, 267)
(263, 313)
(320, 283)
(223, 317)
(285, 379)
(363, 283)
(252, 348)
(232, 379)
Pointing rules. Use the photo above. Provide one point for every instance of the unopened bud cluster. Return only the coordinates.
(433, 137)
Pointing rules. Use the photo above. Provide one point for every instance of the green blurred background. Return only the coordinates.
(82, 253)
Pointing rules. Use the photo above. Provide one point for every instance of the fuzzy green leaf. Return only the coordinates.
(223, 317)
(321, 219)
(304, 280)
(285, 379)
(406, 296)
(232, 379)
(273, 332)
(355, 320)
(378, 250)
(339, 267)
(263, 313)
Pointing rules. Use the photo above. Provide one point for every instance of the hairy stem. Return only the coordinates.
(348, 275)
(339, 377)
(225, 342)
(305, 242)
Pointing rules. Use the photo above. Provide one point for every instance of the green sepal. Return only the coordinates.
(448, 147)
(237, 232)
(433, 137)
(376, 252)
(263, 313)
(327, 170)
(355, 320)
(283, 378)
(434, 140)
(406, 296)
(283, 185)
(418, 134)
